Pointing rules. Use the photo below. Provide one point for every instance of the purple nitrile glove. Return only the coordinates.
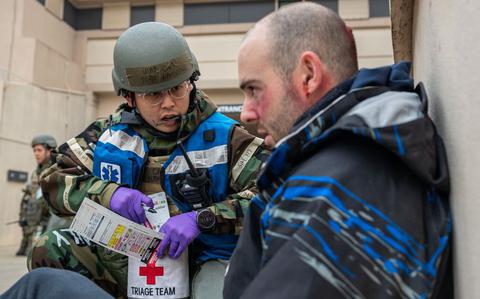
(179, 232)
(128, 203)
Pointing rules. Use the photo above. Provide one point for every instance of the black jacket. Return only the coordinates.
(353, 202)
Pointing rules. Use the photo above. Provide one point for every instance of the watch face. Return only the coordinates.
(206, 219)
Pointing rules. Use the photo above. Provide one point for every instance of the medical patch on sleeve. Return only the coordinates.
(111, 172)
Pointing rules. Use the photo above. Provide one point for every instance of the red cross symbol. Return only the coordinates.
(151, 272)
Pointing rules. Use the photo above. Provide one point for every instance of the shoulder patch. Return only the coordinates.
(110, 172)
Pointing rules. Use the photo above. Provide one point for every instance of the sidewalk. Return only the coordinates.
(11, 267)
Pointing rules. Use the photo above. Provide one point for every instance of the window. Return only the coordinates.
(88, 19)
(82, 19)
(69, 13)
(379, 8)
(250, 11)
(140, 14)
(227, 12)
(332, 4)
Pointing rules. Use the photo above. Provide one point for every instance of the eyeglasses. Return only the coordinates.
(156, 98)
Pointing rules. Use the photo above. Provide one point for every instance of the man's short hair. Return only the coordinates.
(303, 27)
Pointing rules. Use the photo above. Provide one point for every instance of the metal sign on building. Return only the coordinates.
(17, 176)
(230, 108)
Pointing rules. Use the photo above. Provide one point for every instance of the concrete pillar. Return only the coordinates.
(402, 23)
(116, 15)
(353, 9)
(170, 12)
(55, 7)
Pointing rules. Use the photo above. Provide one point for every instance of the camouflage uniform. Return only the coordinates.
(34, 211)
(69, 181)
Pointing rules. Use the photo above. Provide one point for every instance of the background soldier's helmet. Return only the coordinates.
(44, 139)
(151, 57)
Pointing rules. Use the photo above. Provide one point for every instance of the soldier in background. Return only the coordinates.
(34, 212)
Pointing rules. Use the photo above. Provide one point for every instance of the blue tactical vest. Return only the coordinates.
(207, 148)
(120, 154)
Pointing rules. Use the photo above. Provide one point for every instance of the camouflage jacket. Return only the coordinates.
(70, 180)
(33, 209)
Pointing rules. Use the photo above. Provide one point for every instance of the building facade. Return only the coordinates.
(56, 63)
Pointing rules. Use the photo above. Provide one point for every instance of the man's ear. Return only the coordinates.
(316, 78)
(311, 72)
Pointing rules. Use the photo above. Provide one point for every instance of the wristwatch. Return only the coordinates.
(206, 220)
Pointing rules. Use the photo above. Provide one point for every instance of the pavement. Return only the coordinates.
(11, 267)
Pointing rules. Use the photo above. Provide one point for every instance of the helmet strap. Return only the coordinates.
(193, 94)
(133, 98)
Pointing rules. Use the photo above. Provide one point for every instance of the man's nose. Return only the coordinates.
(248, 112)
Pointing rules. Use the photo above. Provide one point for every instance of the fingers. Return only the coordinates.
(164, 229)
(139, 212)
(180, 250)
(132, 214)
(173, 248)
(147, 201)
(163, 245)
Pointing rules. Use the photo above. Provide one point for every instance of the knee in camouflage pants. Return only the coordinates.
(64, 249)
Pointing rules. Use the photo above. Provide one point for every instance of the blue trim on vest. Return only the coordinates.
(119, 165)
(215, 246)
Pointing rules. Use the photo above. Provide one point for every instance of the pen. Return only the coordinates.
(151, 210)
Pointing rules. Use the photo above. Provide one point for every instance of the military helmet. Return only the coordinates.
(150, 57)
(44, 139)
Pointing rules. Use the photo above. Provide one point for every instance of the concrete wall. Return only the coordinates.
(217, 57)
(446, 59)
(215, 46)
(109, 102)
(53, 63)
(28, 110)
(39, 47)
(7, 17)
(42, 90)
(225, 96)
(116, 15)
